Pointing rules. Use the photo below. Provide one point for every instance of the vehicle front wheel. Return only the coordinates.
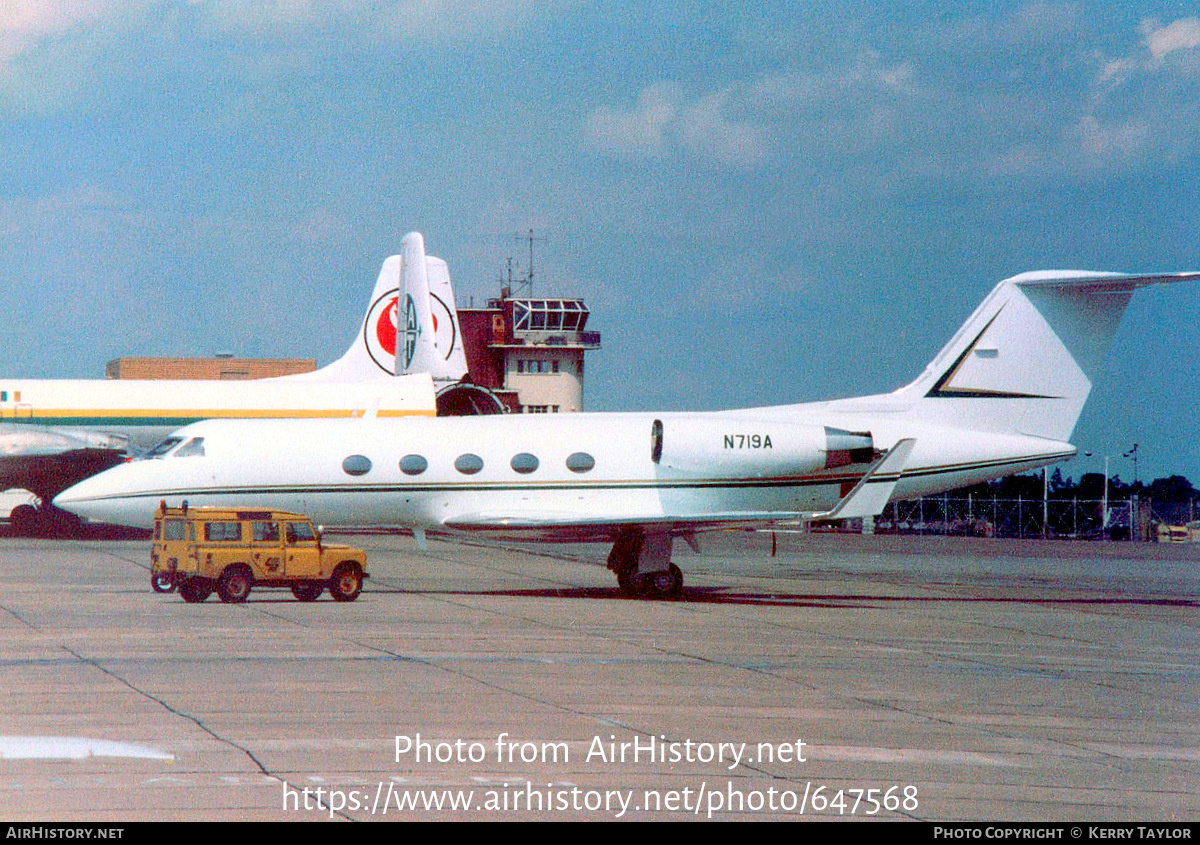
(160, 582)
(235, 584)
(346, 583)
(307, 590)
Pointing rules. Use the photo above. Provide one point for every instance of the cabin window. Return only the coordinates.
(356, 465)
(524, 463)
(194, 448)
(580, 462)
(173, 529)
(413, 465)
(222, 531)
(468, 464)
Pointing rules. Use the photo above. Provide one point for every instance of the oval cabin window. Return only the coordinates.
(413, 465)
(524, 463)
(580, 462)
(356, 465)
(468, 464)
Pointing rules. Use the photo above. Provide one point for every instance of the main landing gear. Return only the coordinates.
(643, 565)
(43, 521)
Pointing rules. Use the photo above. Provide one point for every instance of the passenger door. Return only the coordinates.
(302, 551)
(266, 550)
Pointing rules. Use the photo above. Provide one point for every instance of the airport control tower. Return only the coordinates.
(529, 352)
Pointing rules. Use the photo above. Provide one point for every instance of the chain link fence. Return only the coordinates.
(1066, 519)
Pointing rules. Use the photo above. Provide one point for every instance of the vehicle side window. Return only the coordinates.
(264, 532)
(300, 532)
(222, 531)
(173, 529)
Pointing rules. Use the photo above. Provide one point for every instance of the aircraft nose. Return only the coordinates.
(90, 499)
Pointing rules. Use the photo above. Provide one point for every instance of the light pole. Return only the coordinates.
(1134, 499)
(1104, 505)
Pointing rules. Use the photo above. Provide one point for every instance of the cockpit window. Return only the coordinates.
(193, 448)
(163, 447)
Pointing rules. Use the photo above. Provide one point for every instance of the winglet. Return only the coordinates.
(872, 492)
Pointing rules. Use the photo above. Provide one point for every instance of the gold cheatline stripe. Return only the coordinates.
(249, 413)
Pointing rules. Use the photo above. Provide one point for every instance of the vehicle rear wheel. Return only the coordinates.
(235, 584)
(346, 583)
(307, 590)
(195, 590)
(160, 582)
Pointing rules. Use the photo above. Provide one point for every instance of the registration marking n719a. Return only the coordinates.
(748, 441)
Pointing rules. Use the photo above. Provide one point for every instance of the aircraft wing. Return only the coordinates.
(46, 461)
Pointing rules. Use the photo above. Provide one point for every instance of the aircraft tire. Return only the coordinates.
(25, 521)
(195, 590)
(235, 584)
(628, 581)
(346, 583)
(307, 590)
(665, 585)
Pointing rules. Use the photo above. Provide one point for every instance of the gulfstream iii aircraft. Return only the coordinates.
(1001, 397)
(56, 432)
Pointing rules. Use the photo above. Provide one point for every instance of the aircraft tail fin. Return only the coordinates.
(1025, 361)
(411, 313)
(431, 341)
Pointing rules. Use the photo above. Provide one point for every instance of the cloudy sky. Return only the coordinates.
(761, 202)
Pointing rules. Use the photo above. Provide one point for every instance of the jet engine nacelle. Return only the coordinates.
(26, 441)
(747, 448)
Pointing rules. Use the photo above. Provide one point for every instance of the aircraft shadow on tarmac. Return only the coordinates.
(721, 595)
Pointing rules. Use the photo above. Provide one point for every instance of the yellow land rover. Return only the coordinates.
(235, 549)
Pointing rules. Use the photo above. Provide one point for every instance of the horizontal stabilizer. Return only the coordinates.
(1094, 282)
(872, 492)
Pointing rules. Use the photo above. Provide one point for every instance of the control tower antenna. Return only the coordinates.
(526, 284)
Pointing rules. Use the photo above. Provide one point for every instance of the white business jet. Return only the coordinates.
(1001, 397)
(54, 433)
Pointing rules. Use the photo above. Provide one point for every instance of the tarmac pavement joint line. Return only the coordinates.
(197, 722)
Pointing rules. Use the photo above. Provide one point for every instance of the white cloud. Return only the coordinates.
(665, 122)
(372, 20)
(1157, 43)
(641, 130)
(1182, 34)
(25, 23)
(704, 128)
(1114, 143)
